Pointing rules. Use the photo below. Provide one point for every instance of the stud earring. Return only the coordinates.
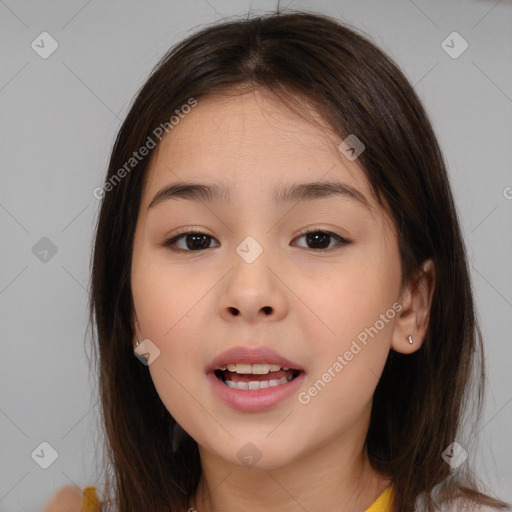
(410, 339)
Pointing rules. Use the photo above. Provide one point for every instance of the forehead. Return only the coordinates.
(250, 142)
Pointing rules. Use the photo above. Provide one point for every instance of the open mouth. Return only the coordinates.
(255, 376)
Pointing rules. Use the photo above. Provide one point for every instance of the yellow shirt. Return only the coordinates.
(383, 503)
(90, 502)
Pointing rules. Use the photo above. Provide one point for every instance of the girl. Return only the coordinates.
(280, 289)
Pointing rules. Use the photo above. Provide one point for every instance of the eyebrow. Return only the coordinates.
(281, 195)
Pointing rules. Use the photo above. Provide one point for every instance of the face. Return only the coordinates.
(315, 278)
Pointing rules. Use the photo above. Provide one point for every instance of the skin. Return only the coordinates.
(66, 499)
(306, 304)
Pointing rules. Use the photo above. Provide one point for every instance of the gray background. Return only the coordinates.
(58, 122)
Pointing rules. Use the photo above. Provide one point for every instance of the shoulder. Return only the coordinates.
(66, 499)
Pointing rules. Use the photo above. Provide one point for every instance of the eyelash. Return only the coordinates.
(170, 242)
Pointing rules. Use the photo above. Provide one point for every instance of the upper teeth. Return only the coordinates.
(257, 369)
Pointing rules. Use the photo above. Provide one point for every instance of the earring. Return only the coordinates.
(410, 339)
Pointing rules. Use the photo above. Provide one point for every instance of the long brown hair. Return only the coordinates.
(421, 398)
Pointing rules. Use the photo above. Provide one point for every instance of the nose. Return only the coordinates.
(253, 291)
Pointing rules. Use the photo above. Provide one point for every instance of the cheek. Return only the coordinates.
(165, 295)
(354, 295)
(169, 302)
(162, 302)
(355, 306)
(166, 303)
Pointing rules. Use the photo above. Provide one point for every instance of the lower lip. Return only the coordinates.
(253, 400)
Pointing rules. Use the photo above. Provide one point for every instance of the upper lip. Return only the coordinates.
(248, 355)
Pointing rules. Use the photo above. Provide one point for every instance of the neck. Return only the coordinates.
(334, 477)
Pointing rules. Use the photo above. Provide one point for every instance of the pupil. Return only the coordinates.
(313, 238)
(195, 237)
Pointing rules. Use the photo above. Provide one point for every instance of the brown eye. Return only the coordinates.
(194, 241)
(320, 240)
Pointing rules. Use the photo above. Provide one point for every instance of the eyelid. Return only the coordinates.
(342, 241)
(315, 228)
(186, 229)
(170, 240)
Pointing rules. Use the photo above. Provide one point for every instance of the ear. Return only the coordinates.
(416, 301)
